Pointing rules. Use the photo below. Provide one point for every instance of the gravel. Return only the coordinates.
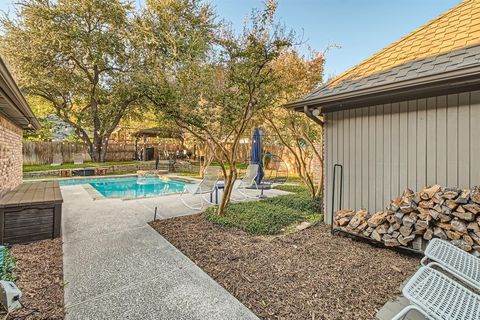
(304, 275)
(39, 270)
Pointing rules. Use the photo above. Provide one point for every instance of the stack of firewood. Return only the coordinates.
(416, 217)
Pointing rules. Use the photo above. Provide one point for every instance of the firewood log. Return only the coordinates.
(450, 193)
(357, 219)
(463, 197)
(428, 193)
(416, 217)
(378, 218)
(472, 207)
(439, 233)
(428, 235)
(458, 225)
(475, 195)
(453, 235)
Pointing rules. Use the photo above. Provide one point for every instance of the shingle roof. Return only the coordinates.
(454, 60)
(449, 42)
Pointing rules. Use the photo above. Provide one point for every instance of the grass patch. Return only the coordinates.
(46, 167)
(188, 174)
(295, 188)
(241, 166)
(294, 178)
(270, 216)
(8, 268)
(300, 202)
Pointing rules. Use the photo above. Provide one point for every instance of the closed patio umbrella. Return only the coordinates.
(256, 156)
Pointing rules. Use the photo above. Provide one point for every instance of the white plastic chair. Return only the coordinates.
(247, 181)
(78, 158)
(438, 297)
(206, 186)
(57, 159)
(442, 254)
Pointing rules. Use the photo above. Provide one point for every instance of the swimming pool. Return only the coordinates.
(130, 187)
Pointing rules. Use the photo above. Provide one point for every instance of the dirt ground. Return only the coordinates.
(305, 275)
(39, 270)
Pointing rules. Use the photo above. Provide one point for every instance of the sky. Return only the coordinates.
(360, 27)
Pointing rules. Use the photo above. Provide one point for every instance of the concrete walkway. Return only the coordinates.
(394, 306)
(118, 267)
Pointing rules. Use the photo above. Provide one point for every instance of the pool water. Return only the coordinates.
(130, 187)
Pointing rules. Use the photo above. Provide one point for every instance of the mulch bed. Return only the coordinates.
(305, 275)
(39, 270)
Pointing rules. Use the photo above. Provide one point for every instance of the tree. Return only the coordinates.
(78, 55)
(296, 77)
(171, 36)
(41, 109)
(215, 99)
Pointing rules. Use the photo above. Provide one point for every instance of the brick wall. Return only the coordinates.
(10, 155)
(317, 169)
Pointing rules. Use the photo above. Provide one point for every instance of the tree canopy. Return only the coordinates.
(297, 75)
(77, 55)
(91, 59)
(215, 96)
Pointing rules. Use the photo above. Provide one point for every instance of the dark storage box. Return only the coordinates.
(31, 212)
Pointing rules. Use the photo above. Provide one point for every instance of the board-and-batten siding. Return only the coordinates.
(411, 144)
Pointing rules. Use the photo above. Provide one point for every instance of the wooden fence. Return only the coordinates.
(42, 152)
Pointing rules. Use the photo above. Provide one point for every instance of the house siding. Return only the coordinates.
(10, 155)
(387, 148)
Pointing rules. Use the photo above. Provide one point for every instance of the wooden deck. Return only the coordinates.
(31, 212)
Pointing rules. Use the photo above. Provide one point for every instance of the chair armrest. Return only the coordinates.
(192, 188)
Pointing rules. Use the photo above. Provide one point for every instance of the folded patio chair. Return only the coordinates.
(57, 159)
(205, 187)
(78, 158)
(437, 296)
(461, 264)
(248, 181)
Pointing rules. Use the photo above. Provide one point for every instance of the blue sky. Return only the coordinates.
(360, 27)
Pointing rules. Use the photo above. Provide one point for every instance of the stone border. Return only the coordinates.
(116, 168)
(94, 193)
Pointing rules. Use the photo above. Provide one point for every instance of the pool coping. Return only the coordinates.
(170, 175)
(94, 193)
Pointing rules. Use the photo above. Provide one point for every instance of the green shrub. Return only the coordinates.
(8, 268)
(268, 216)
(300, 201)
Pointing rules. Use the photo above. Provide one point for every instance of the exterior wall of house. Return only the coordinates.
(10, 155)
(386, 148)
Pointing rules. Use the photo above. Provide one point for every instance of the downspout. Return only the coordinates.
(311, 116)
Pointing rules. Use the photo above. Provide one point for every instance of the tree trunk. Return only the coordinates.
(103, 154)
(227, 192)
(207, 160)
(319, 191)
(98, 149)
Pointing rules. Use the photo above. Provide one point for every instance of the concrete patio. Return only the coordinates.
(117, 267)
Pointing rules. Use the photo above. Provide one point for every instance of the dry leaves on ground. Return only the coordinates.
(40, 277)
(305, 275)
